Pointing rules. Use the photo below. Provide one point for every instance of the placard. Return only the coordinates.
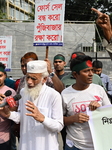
(49, 22)
(101, 127)
(6, 51)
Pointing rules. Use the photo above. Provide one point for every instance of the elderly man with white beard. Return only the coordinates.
(40, 111)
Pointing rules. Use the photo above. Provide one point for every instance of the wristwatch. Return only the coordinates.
(51, 74)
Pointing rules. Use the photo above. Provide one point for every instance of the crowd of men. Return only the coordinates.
(51, 100)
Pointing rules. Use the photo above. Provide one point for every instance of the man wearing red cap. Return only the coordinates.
(76, 98)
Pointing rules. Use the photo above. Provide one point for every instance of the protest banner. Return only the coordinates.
(6, 51)
(49, 22)
(101, 127)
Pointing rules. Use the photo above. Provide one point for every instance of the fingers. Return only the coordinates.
(81, 118)
(29, 103)
(31, 109)
(30, 106)
(46, 59)
(35, 112)
(1, 108)
(2, 97)
(49, 66)
(101, 16)
(96, 11)
(94, 105)
(5, 112)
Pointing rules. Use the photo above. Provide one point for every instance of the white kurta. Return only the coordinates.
(33, 134)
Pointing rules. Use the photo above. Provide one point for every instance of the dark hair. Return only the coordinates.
(97, 64)
(75, 54)
(2, 65)
(79, 59)
(31, 55)
(21, 60)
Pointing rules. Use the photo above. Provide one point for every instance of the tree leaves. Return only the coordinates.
(80, 10)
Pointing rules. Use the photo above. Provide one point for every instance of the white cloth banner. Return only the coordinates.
(49, 22)
(101, 127)
(6, 51)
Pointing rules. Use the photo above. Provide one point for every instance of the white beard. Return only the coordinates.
(33, 92)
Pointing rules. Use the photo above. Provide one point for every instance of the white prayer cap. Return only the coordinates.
(36, 66)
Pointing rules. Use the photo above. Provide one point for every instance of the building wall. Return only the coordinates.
(19, 10)
(74, 36)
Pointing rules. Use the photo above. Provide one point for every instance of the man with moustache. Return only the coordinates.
(40, 111)
(52, 81)
(23, 61)
(83, 93)
(69, 79)
(59, 64)
(97, 69)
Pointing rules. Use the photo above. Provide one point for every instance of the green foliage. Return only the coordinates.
(32, 14)
(80, 10)
(2, 4)
(2, 15)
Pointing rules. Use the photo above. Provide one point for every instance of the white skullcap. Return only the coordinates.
(36, 66)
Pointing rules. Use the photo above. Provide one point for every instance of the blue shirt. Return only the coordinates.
(107, 83)
(10, 83)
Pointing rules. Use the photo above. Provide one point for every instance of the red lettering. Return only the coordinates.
(42, 27)
(4, 41)
(97, 98)
(83, 107)
(57, 6)
(43, 7)
(6, 53)
(80, 108)
(54, 17)
(52, 37)
(77, 110)
(2, 47)
(3, 59)
(0, 41)
(39, 37)
(42, 17)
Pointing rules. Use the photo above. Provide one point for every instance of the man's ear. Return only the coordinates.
(44, 80)
(74, 74)
(64, 64)
(5, 75)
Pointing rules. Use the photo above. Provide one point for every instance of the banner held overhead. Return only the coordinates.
(49, 22)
